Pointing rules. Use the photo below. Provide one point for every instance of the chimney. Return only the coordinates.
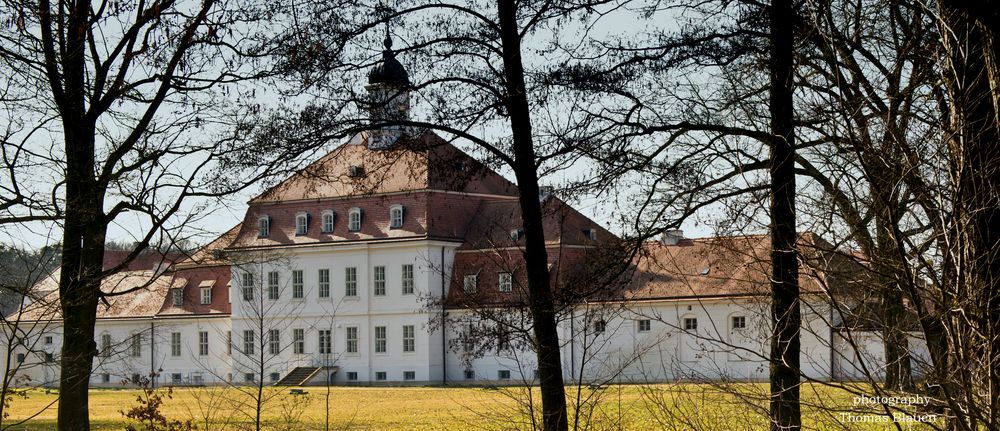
(672, 237)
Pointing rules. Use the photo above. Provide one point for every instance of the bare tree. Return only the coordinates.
(116, 111)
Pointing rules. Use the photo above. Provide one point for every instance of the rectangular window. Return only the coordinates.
(48, 339)
(408, 279)
(249, 377)
(354, 219)
(272, 285)
(470, 283)
(275, 377)
(274, 341)
(690, 323)
(229, 342)
(135, 345)
(324, 283)
(299, 344)
(739, 322)
(396, 216)
(503, 374)
(352, 339)
(352, 376)
(470, 374)
(351, 281)
(327, 222)
(202, 343)
(178, 296)
(381, 376)
(600, 326)
(298, 284)
(105, 345)
(506, 283)
(247, 286)
(263, 226)
(206, 295)
(324, 342)
(49, 358)
(248, 340)
(409, 375)
(409, 338)
(379, 281)
(380, 339)
(20, 358)
(176, 378)
(644, 325)
(175, 344)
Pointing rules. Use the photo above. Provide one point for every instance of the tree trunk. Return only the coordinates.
(536, 258)
(80, 277)
(785, 314)
(970, 43)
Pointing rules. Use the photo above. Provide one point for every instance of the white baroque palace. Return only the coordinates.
(396, 258)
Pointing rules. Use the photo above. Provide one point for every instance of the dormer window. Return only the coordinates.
(354, 219)
(470, 283)
(301, 223)
(178, 297)
(396, 216)
(263, 226)
(591, 234)
(327, 221)
(355, 171)
(516, 234)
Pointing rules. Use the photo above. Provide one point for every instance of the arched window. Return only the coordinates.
(301, 223)
(354, 219)
(263, 226)
(327, 221)
(396, 216)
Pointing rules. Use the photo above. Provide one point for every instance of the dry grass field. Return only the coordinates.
(680, 407)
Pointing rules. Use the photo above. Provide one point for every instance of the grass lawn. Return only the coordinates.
(678, 407)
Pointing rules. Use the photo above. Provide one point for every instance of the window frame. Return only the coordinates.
(273, 285)
(298, 284)
(409, 339)
(470, 287)
(274, 341)
(354, 219)
(135, 344)
(408, 279)
(263, 226)
(249, 338)
(396, 214)
(301, 224)
(505, 282)
(299, 341)
(177, 296)
(247, 286)
(644, 325)
(206, 295)
(325, 341)
(327, 221)
(742, 320)
(351, 282)
(378, 277)
(381, 340)
(175, 344)
(323, 275)
(202, 343)
(690, 323)
(351, 340)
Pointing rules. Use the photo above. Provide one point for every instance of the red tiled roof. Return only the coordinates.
(145, 295)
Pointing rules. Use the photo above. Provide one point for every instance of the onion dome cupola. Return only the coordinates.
(388, 90)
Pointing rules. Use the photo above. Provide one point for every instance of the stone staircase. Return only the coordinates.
(298, 376)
